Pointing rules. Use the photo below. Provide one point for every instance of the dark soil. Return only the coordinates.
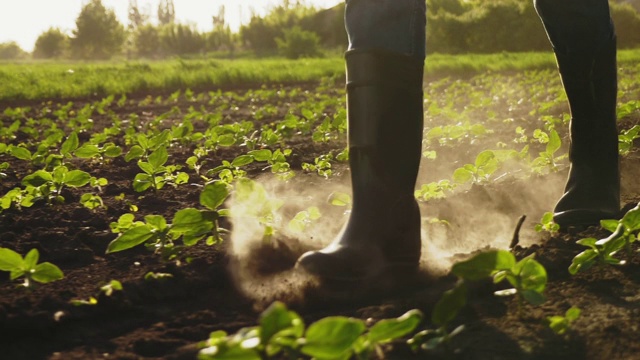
(157, 319)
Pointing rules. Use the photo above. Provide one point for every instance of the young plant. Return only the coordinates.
(603, 251)
(561, 324)
(547, 158)
(91, 151)
(191, 225)
(253, 201)
(445, 311)
(28, 267)
(485, 164)
(547, 224)
(156, 175)
(281, 331)
(48, 185)
(527, 276)
(303, 219)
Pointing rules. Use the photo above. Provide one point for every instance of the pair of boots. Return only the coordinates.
(385, 114)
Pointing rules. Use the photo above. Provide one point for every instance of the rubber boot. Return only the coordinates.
(592, 191)
(385, 117)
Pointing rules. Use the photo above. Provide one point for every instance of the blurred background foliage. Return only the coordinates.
(294, 29)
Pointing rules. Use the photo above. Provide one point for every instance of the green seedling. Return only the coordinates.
(434, 190)
(321, 165)
(212, 198)
(47, 185)
(626, 139)
(445, 311)
(303, 219)
(547, 158)
(92, 151)
(547, 224)
(147, 144)
(603, 251)
(561, 324)
(28, 267)
(190, 225)
(156, 175)
(111, 287)
(252, 200)
(3, 169)
(282, 332)
(485, 165)
(527, 276)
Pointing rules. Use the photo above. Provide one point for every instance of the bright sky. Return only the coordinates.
(23, 20)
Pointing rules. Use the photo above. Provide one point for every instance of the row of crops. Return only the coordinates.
(94, 155)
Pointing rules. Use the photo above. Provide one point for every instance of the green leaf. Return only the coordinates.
(610, 225)
(146, 167)
(554, 142)
(261, 155)
(70, 145)
(142, 182)
(332, 337)
(589, 242)
(157, 222)
(112, 151)
(47, 272)
(533, 297)
(226, 140)
(158, 157)
(134, 153)
(130, 238)
(242, 160)
(462, 175)
(484, 158)
(390, 329)
(278, 318)
(631, 219)
(87, 151)
(233, 352)
(339, 199)
(583, 261)
(37, 178)
(573, 313)
(190, 221)
(214, 194)
(31, 259)
(484, 264)
(449, 305)
(10, 260)
(20, 153)
(76, 178)
(533, 276)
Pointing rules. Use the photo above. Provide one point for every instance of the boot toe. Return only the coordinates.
(345, 264)
(583, 217)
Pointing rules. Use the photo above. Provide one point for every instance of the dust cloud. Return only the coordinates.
(478, 217)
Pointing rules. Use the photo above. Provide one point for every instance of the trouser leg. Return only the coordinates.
(385, 63)
(584, 41)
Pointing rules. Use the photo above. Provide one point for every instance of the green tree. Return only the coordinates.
(12, 51)
(298, 43)
(261, 32)
(51, 44)
(221, 37)
(136, 17)
(166, 12)
(181, 39)
(146, 41)
(98, 33)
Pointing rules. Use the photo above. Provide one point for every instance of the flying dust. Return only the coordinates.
(264, 248)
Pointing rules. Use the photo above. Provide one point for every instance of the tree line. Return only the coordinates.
(295, 29)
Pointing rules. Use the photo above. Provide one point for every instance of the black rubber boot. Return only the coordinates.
(385, 112)
(592, 192)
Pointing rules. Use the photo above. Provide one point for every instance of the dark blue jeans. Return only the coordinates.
(576, 26)
(573, 26)
(392, 25)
